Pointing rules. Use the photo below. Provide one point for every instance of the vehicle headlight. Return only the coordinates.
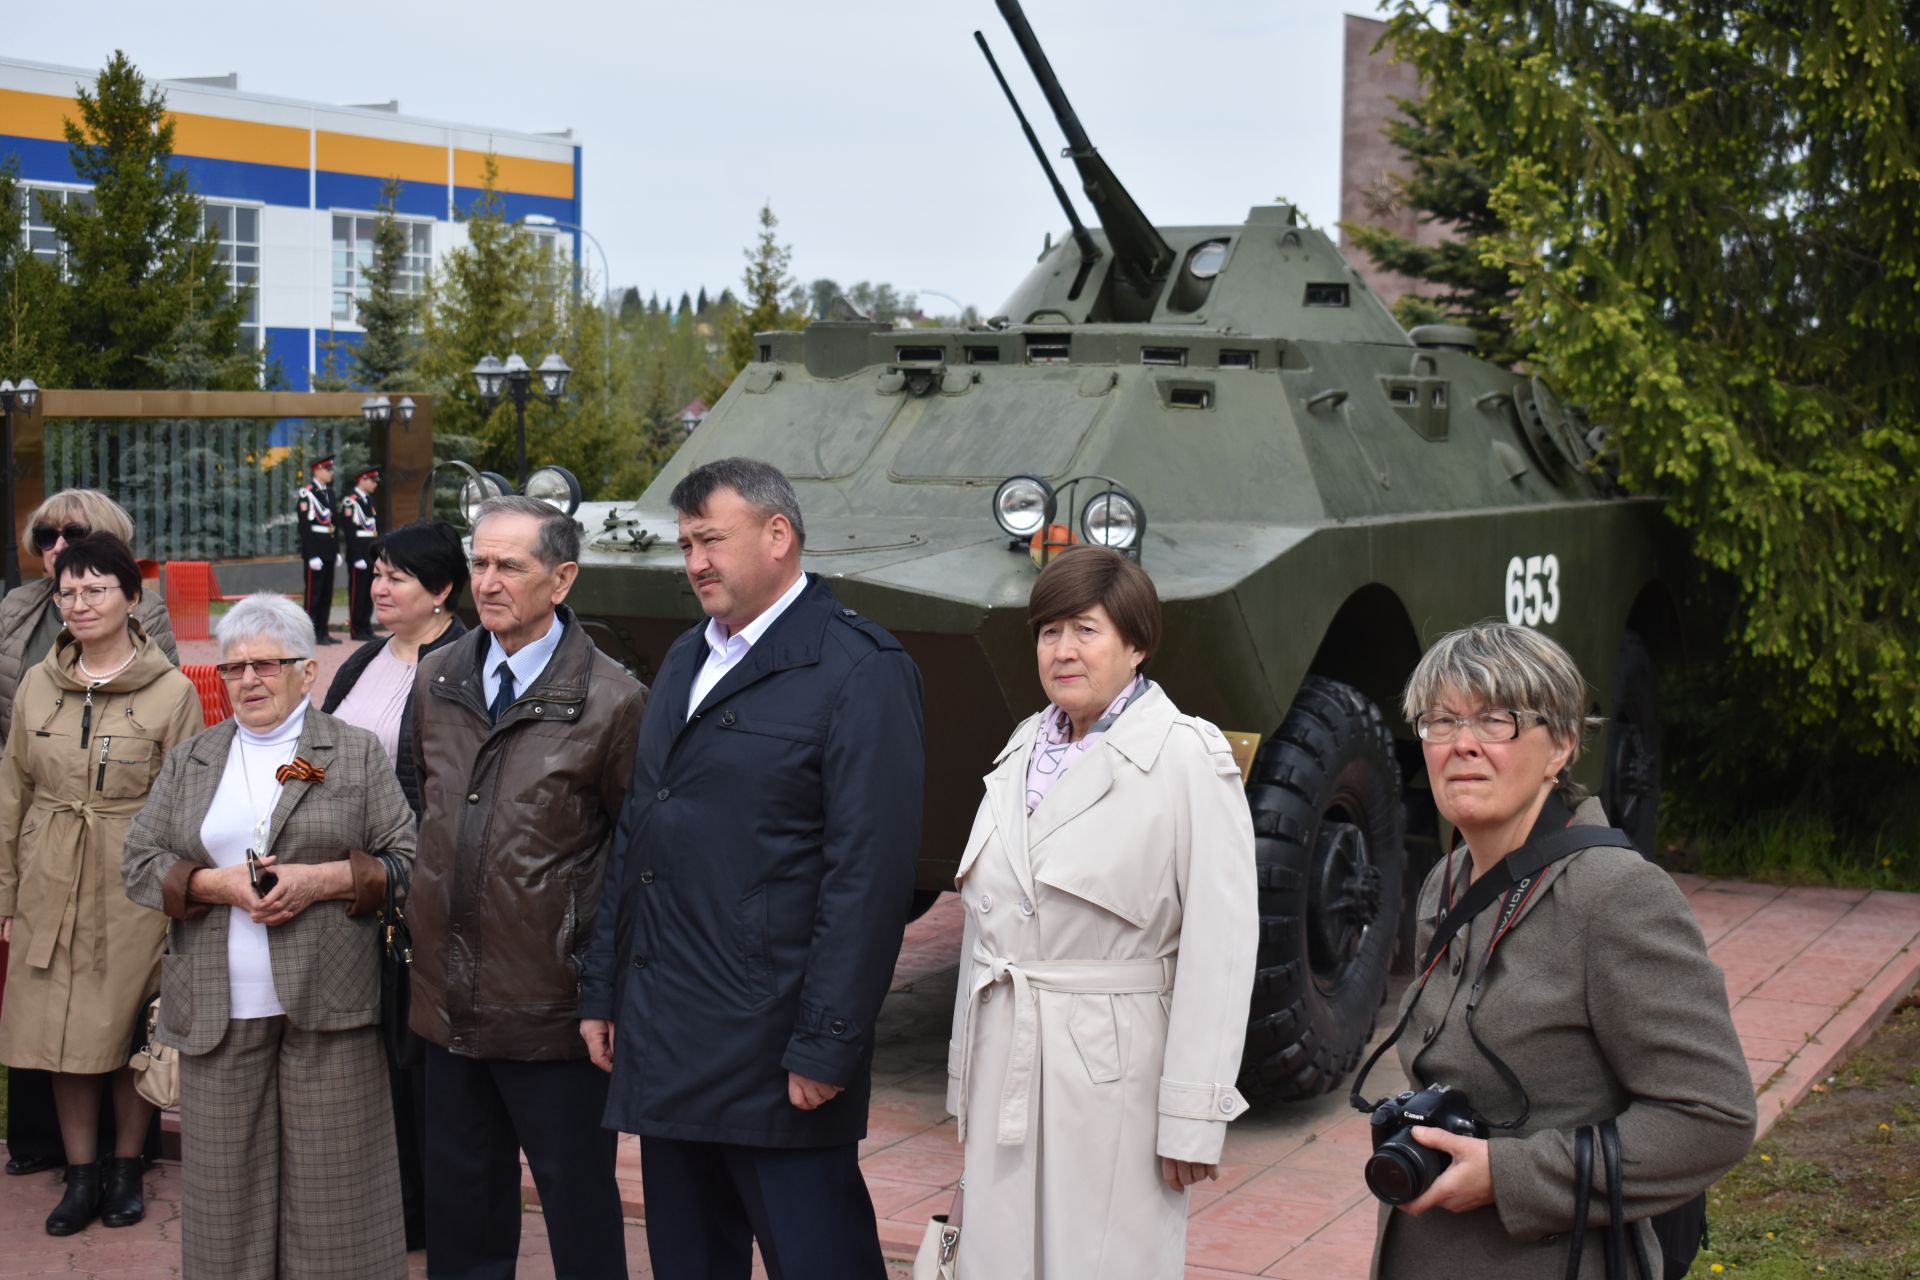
(477, 489)
(1112, 518)
(555, 486)
(1023, 505)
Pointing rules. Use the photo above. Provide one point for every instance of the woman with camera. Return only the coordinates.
(266, 843)
(1108, 953)
(91, 724)
(1565, 997)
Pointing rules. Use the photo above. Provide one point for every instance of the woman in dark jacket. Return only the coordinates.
(419, 570)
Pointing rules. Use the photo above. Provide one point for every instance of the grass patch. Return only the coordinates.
(1834, 1190)
(1795, 848)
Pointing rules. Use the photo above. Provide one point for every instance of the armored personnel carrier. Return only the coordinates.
(1316, 492)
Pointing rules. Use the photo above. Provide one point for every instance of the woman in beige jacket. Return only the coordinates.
(1108, 955)
(91, 724)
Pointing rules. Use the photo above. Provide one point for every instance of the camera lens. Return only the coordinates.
(1401, 1170)
(1392, 1178)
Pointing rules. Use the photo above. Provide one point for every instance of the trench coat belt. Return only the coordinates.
(44, 940)
(1079, 977)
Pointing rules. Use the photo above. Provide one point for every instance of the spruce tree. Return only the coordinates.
(1707, 217)
(140, 258)
(384, 359)
(700, 302)
(32, 328)
(767, 284)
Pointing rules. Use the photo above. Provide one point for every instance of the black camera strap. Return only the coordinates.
(1582, 1193)
(1516, 876)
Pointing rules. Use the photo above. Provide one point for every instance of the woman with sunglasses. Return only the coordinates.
(94, 720)
(267, 842)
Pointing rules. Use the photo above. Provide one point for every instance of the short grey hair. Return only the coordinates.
(559, 537)
(265, 615)
(1497, 664)
(761, 485)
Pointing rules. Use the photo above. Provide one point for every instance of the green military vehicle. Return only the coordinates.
(1317, 494)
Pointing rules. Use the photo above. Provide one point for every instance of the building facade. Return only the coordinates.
(1373, 86)
(291, 189)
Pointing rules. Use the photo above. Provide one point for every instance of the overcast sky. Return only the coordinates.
(875, 129)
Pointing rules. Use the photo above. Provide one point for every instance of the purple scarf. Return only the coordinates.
(1053, 753)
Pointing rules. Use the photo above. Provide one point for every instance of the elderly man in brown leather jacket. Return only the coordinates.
(523, 737)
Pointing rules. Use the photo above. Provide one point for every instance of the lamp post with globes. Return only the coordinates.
(515, 381)
(24, 394)
(379, 411)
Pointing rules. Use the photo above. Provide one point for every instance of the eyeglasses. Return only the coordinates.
(1496, 725)
(45, 535)
(92, 596)
(265, 668)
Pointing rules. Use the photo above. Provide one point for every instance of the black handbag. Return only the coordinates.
(396, 972)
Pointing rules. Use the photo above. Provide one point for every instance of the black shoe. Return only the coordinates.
(327, 640)
(80, 1205)
(123, 1201)
(20, 1166)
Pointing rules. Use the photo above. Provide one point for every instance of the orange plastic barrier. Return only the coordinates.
(215, 706)
(189, 590)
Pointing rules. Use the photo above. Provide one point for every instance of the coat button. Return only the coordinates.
(1427, 1035)
(537, 708)
(639, 962)
(727, 716)
(1457, 963)
(838, 1027)
(473, 797)
(1026, 906)
(986, 903)
(571, 710)
(646, 877)
(662, 794)
(1226, 1106)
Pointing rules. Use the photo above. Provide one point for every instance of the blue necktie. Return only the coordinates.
(503, 699)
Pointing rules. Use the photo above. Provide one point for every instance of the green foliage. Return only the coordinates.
(1708, 217)
(768, 285)
(139, 257)
(384, 359)
(1447, 183)
(503, 293)
(30, 300)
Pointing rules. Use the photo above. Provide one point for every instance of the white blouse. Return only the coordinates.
(378, 698)
(241, 813)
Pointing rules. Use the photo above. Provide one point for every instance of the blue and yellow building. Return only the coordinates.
(291, 188)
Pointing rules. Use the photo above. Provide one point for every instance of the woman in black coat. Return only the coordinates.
(419, 571)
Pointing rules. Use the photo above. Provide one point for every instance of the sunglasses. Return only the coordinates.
(45, 535)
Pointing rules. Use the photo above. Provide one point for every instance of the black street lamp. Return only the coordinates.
(26, 394)
(515, 381)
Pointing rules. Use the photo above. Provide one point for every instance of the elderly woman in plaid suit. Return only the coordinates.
(268, 841)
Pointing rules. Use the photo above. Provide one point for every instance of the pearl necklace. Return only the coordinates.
(88, 672)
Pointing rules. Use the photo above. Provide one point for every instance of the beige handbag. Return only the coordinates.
(941, 1244)
(155, 1066)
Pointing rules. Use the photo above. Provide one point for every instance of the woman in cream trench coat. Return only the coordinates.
(1107, 963)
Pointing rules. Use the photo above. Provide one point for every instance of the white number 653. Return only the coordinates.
(1533, 589)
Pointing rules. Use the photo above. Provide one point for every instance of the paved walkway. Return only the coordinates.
(1811, 972)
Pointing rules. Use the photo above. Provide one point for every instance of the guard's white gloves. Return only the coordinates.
(314, 564)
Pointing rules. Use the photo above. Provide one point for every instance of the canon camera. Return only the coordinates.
(1400, 1169)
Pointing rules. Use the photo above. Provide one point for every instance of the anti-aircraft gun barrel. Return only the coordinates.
(1136, 244)
(1089, 251)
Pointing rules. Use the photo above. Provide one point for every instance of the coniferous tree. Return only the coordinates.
(630, 307)
(767, 284)
(31, 300)
(1707, 217)
(686, 304)
(384, 359)
(140, 259)
(700, 302)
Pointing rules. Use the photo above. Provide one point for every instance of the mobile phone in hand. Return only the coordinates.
(262, 879)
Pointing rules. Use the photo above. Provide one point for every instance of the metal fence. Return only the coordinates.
(198, 488)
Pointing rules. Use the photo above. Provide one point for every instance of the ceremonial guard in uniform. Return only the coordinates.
(317, 545)
(362, 529)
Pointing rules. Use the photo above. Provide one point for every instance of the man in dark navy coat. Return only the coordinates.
(755, 897)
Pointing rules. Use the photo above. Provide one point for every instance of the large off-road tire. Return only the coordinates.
(1631, 790)
(1329, 842)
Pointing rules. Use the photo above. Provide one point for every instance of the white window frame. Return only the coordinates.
(227, 253)
(345, 263)
(67, 190)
